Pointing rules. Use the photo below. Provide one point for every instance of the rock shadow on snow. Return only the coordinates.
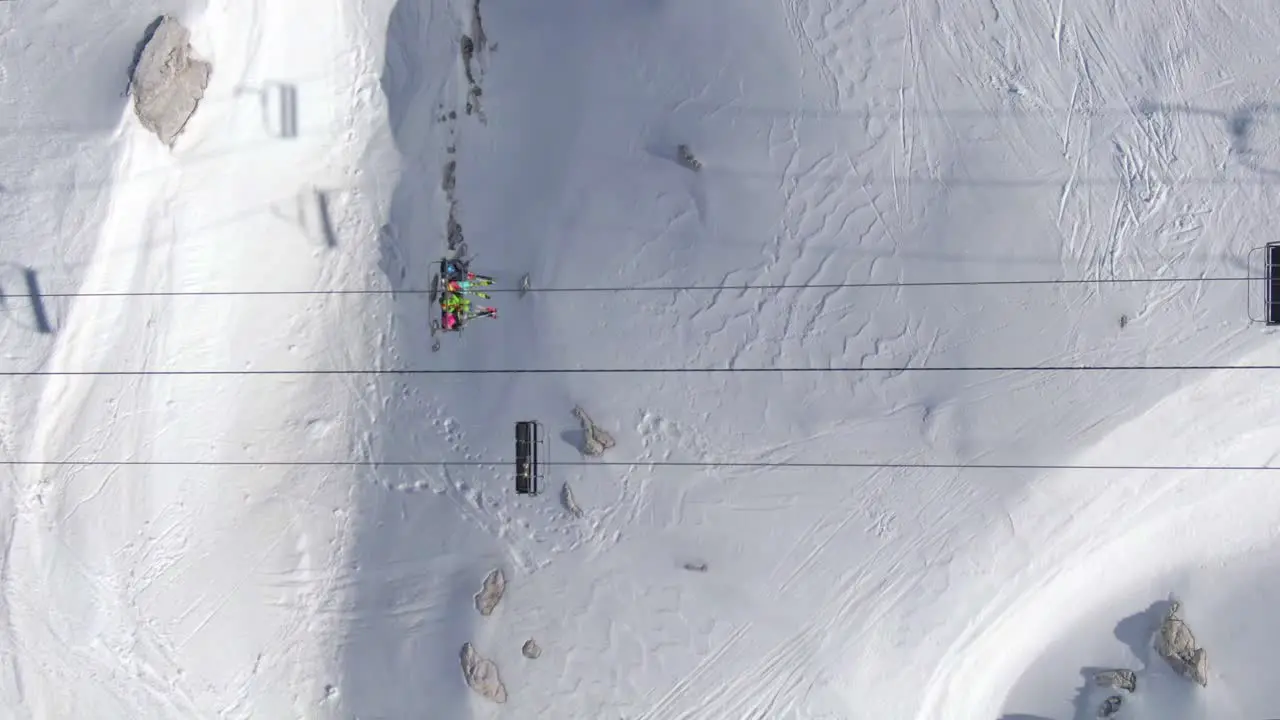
(1136, 630)
(575, 438)
(1107, 692)
(147, 33)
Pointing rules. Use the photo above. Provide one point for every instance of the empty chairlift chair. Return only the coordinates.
(528, 465)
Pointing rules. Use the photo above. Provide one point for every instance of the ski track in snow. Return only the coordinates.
(849, 212)
(159, 576)
(841, 143)
(1128, 530)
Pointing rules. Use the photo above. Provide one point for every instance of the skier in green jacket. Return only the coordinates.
(456, 303)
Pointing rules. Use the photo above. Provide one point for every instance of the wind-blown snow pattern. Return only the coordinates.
(849, 151)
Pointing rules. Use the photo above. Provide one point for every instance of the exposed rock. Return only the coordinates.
(168, 81)
(1110, 707)
(1118, 679)
(530, 649)
(495, 583)
(594, 440)
(570, 504)
(695, 566)
(686, 158)
(453, 230)
(1177, 645)
(468, 53)
(449, 179)
(482, 675)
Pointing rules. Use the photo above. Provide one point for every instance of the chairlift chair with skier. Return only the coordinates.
(454, 283)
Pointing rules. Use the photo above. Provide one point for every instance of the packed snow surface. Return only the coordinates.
(854, 152)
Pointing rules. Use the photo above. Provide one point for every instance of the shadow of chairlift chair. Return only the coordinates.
(528, 464)
(279, 105)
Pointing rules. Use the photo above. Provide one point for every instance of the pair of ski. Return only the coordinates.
(477, 293)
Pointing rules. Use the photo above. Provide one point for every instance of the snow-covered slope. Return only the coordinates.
(841, 143)
(152, 590)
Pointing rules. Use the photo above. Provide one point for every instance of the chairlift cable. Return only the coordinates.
(640, 370)
(708, 464)
(533, 289)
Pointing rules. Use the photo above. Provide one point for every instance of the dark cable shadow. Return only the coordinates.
(1136, 630)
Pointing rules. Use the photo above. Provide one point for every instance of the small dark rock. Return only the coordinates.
(1119, 679)
(531, 650)
(450, 179)
(686, 158)
(1110, 707)
(453, 232)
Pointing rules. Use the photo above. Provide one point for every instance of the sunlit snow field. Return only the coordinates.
(227, 545)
